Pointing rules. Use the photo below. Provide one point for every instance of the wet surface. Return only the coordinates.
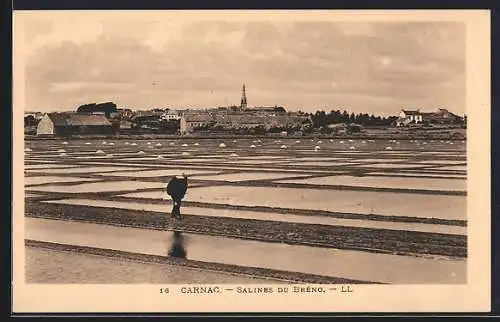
(359, 202)
(243, 176)
(159, 173)
(51, 179)
(60, 267)
(391, 165)
(99, 187)
(321, 261)
(49, 166)
(387, 182)
(242, 214)
(83, 169)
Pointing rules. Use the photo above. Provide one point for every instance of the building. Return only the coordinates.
(170, 115)
(243, 104)
(62, 124)
(189, 122)
(409, 117)
(442, 116)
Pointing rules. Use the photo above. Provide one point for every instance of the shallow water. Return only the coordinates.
(49, 166)
(391, 165)
(319, 164)
(243, 176)
(360, 202)
(387, 182)
(59, 267)
(99, 187)
(159, 173)
(456, 168)
(84, 169)
(51, 179)
(322, 261)
(244, 214)
(441, 162)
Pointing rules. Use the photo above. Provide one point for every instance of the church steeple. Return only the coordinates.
(243, 98)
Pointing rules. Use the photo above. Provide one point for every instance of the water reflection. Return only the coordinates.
(177, 249)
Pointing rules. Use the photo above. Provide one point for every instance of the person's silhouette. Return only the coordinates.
(177, 188)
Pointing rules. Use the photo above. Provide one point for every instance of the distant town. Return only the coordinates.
(109, 119)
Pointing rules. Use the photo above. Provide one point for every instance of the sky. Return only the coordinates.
(363, 67)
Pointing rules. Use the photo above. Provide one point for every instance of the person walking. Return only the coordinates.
(176, 188)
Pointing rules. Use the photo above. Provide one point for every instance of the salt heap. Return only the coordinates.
(61, 150)
(111, 143)
(451, 143)
(352, 148)
(388, 148)
(319, 142)
(27, 150)
(234, 141)
(141, 152)
(65, 143)
(109, 155)
(126, 143)
(331, 140)
(99, 151)
(317, 147)
(172, 143)
(63, 154)
(297, 141)
(185, 144)
(88, 143)
(133, 143)
(363, 142)
(158, 144)
(283, 146)
(233, 155)
(222, 145)
(252, 146)
(196, 144)
(159, 157)
(104, 142)
(185, 153)
(341, 142)
(351, 141)
(149, 143)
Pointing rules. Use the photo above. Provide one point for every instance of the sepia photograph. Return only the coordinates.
(217, 155)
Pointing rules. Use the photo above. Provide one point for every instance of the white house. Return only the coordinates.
(407, 116)
(171, 115)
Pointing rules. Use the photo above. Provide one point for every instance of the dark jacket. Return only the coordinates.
(177, 188)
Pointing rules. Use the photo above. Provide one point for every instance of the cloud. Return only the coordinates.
(368, 67)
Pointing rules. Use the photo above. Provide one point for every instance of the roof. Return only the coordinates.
(88, 120)
(67, 119)
(410, 112)
(197, 118)
(59, 119)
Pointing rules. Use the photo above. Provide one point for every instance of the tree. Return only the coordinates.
(30, 120)
(107, 108)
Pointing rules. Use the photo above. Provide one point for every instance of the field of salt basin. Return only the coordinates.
(379, 211)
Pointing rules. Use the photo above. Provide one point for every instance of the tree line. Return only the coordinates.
(323, 119)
